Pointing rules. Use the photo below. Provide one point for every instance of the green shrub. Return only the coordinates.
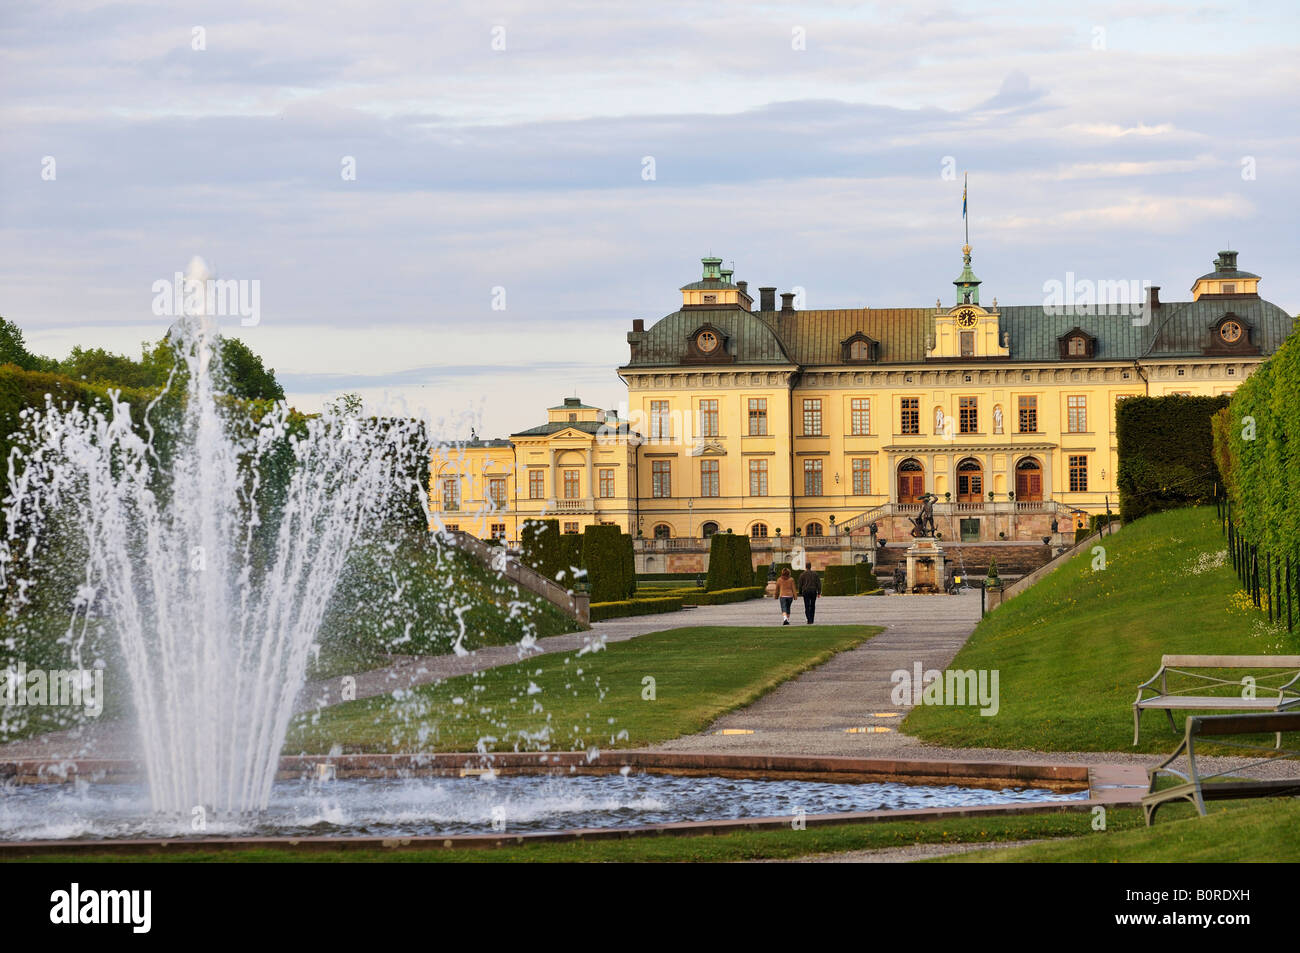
(731, 563)
(571, 566)
(1166, 452)
(629, 565)
(722, 597)
(539, 545)
(760, 574)
(866, 577)
(611, 569)
(840, 581)
(1083, 532)
(630, 607)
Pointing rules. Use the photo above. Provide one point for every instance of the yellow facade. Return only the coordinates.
(576, 469)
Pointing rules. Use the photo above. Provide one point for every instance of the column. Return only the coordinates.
(591, 487)
(554, 472)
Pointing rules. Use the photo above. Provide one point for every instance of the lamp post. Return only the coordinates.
(690, 518)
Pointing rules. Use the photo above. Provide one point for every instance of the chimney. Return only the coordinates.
(767, 299)
(1153, 298)
(743, 286)
(638, 324)
(787, 302)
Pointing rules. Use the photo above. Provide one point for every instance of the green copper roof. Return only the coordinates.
(967, 281)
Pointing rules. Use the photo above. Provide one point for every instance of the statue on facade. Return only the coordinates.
(997, 418)
(900, 579)
(938, 420)
(923, 523)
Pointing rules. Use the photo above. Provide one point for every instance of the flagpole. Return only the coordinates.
(964, 217)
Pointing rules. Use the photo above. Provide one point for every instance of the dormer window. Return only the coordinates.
(1231, 333)
(707, 344)
(1077, 345)
(1228, 288)
(859, 349)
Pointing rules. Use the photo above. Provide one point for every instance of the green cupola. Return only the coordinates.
(968, 286)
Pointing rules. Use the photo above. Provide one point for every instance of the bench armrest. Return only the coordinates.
(1157, 677)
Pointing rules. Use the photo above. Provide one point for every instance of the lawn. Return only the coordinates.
(738, 846)
(633, 693)
(1072, 649)
(1244, 832)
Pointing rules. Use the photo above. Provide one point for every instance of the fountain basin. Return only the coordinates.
(470, 800)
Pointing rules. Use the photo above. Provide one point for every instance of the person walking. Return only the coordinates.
(785, 593)
(810, 587)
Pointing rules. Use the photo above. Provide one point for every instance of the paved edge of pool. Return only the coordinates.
(1111, 785)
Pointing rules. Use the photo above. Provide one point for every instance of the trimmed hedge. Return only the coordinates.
(630, 607)
(1256, 447)
(722, 597)
(610, 570)
(1166, 452)
(539, 546)
(571, 565)
(668, 576)
(731, 564)
(866, 577)
(840, 581)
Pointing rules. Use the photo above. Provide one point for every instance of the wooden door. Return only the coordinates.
(1029, 485)
(910, 487)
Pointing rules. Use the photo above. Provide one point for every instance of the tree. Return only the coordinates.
(245, 375)
(13, 349)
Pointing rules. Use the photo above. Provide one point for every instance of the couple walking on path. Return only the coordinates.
(809, 585)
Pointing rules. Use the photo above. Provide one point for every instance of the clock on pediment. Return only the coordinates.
(966, 318)
(1231, 334)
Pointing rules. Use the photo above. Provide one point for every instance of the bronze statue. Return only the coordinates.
(923, 524)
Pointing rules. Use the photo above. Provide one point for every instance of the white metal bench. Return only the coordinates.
(1265, 697)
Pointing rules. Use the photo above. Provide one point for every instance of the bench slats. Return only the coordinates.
(1230, 661)
(1203, 725)
(1210, 703)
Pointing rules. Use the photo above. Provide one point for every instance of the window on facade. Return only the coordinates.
(709, 529)
(861, 477)
(663, 531)
(757, 416)
(607, 484)
(570, 529)
(1076, 347)
(536, 484)
(452, 527)
(812, 478)
(573, 418)
(1078, 474)
(812, 417)
(860, 411)
(758, 531)
(498, 530)
(661, 478)
(710, 484)
(909, 418)
(708, 418)
(814, 529)
(451, 494)
(1077, 413)
(967, 343)
(572, 485)
(710, 299)
(1028, 407)
(660, 428)
(859, 351)
(968, 414)
(1229, 288)
(758, 478)
(497, 490)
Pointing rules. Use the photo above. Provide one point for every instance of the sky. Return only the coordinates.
(457, 209)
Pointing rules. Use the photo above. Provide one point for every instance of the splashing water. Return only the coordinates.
(209, 545)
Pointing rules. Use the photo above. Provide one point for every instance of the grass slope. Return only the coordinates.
(1257, 831)
(584, 699)
(1072, 649)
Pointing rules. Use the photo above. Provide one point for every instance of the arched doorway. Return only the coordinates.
(708, 529)
(814, 529)
(911, 480)
(1029, 480)
(758, 531)
(663, 531)
(970, 481)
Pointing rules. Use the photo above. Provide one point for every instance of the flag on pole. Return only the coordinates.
(965, 179)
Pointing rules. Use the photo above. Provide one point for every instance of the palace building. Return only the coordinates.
(820, 424)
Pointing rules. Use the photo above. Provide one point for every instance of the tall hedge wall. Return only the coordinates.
(1166, 452)
(1256, 450)
(571, 564)
(731, 563)
(611, 571)
(539, 546)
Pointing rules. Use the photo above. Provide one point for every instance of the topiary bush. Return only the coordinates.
(539, 545)
(609, 563)
(731, 563)
(571, 566)
(631, 607)
(840, 581)
(866, 577)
